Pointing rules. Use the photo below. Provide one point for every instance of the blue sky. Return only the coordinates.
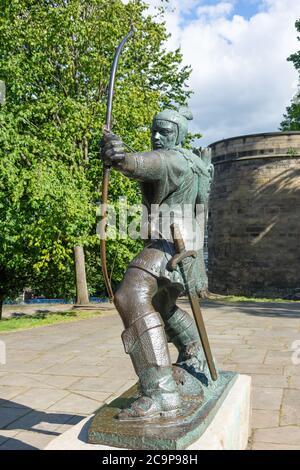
(245, 8)
(238, 51)
(241, 79)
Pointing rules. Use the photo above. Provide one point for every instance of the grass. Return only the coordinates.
(24, 322)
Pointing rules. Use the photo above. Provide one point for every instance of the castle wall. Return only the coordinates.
(254, 222)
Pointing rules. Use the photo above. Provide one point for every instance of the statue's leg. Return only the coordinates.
(145, 340)
(181, 330)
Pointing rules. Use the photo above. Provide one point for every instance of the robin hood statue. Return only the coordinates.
(174, 181)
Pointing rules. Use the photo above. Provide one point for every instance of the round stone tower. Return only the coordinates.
(254, 220)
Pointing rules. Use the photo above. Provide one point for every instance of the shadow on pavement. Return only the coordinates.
(260, 309)
(14, 416)
(15, 444)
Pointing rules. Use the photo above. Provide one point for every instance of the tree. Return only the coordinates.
(43, 205)
(55, 58)
(291, 120)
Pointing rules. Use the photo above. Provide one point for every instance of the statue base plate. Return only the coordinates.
(200, 404)
(228, 430)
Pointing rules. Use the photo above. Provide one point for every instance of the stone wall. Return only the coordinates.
(254, 222)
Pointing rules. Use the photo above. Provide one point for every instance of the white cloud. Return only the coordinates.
(241, 79)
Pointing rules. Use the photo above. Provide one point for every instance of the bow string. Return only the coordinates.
(106, 168)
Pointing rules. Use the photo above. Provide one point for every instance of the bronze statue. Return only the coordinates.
(172, 405)
(171, 178)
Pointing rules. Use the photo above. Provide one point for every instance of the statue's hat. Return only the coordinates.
(180, 118)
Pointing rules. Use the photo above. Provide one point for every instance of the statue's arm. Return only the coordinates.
(157, 165)
(148, 166)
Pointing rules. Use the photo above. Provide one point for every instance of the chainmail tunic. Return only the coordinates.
(175, 187)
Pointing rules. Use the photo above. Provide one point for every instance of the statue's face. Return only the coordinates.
(164, 135)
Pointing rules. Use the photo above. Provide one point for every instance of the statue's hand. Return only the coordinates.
(111, 149)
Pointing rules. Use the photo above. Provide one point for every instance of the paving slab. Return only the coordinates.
(76, 370)
(253, 355)
(40, 398)
(6, 434)
(269, 380)
(264, 398)
(27, 440)
(294, 381)
(75, 404)
(9, 415)
(8, 392)
(21, 380)
(279, 357)
(53, 381)
(292, 370)
(269, 446)
(100, 384)
(20, 368)
(253, 369)
(265, 419)
(283, 435)
(99, 397)
(290, 410)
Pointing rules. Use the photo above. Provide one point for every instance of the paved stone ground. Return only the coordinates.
(56, 375)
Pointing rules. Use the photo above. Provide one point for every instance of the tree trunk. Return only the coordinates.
(81, 285)
(1, 305)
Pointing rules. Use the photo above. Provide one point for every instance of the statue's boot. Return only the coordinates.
(146, 343)
(181, 330)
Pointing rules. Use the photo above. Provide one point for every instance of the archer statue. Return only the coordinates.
(171, 178)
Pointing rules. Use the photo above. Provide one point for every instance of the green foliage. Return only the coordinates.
(291, 120)
(55, 59)
(43, 207)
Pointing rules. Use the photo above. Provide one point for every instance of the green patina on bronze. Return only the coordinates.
(171, 406)
(200, 405)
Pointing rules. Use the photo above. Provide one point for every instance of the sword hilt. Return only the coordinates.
(179, 257)
(181, 252)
